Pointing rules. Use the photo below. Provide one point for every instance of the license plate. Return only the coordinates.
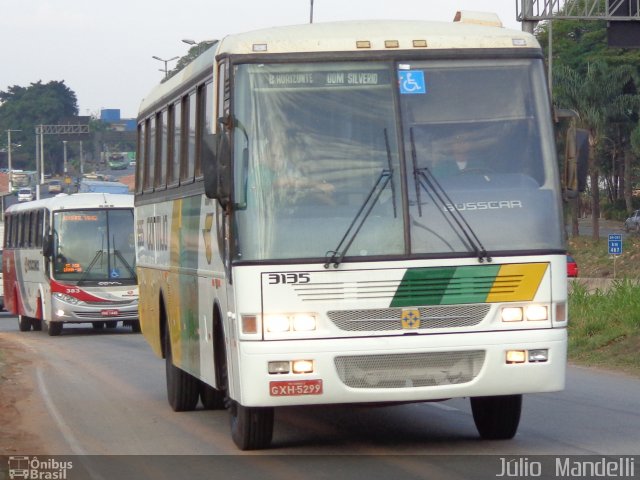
(110, 313)
(289, 388)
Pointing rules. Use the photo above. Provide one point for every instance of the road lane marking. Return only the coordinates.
(64, 428)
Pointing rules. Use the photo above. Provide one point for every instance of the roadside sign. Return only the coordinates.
(615, 244)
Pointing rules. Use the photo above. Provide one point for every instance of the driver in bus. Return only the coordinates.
(280, 171)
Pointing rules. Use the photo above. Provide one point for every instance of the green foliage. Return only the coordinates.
(617, 210)
(22, 108)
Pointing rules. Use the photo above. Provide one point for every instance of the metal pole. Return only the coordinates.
(81, 161)
(64, 144)
(41, 154)
(38, 161)
(37, 166)
(311, 13)
(9, 158)
(550, 60)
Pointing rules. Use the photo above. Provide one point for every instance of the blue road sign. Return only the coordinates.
(615, 244)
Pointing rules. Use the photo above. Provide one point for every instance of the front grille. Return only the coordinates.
(111, 303)
(96, 316)
(443, 316)
(410, 370)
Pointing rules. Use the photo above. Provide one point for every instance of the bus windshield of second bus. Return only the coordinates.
(93, 246)
(475, 159)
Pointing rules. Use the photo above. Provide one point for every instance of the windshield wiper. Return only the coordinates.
(97, 257)
(425, 179)
(335, 256)
(119, 255)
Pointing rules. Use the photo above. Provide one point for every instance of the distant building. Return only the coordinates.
(117, 124)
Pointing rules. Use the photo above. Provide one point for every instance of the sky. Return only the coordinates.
(103, 50)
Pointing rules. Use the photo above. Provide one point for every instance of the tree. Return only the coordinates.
(38, 104)
(191, 55)
(598, 97)
(578, 45)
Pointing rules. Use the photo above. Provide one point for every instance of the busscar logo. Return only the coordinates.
(33, 468)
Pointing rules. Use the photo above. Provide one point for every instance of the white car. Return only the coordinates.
(633, 222)
(25, 195)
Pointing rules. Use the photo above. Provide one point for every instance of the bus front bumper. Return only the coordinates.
(402, 368)
(65, 312)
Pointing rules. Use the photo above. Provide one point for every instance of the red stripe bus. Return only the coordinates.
(71, 259)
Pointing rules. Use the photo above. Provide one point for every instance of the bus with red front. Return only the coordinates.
(71, 259)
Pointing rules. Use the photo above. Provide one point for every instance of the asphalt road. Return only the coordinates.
(103, 393)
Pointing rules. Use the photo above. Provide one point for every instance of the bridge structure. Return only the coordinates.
(623, 16)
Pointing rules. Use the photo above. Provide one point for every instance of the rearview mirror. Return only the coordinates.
(47, 245)
(217, 167)
(576, 161)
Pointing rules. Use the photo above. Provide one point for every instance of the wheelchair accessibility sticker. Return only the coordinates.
(411, 82)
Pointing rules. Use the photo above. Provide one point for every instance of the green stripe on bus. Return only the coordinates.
(445, 286)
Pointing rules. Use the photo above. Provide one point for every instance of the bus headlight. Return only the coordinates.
(533, 313)
(287, 322)
(536, 313)
(304, 322)
(67, 298)
(512, 314)
(277, 323)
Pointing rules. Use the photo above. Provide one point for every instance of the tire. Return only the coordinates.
(135, 326)
(182, 388)
(211, 398)
(24, 323)
(54, 329)
(497, 418)
(111, 324)
(98, 325)
(251, 427)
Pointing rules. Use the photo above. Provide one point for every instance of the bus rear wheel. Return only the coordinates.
(182, 388)
(251, 427)
(497, 418)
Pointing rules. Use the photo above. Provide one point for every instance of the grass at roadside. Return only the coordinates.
(604, 327)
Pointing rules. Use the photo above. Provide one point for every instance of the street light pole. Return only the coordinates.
(9, 157)
(64, 144)
(166, 69)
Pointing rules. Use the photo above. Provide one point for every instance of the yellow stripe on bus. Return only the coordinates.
(517, 282)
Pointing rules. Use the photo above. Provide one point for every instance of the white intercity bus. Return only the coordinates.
(354, 213)
(71, 259)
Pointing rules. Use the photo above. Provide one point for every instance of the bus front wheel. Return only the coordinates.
(54, 328)
(497, 418)
(211, 398)
(182, 388)
(24, 323)
(251, 427)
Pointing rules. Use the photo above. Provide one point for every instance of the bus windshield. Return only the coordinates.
(363, 159)
(94, 246)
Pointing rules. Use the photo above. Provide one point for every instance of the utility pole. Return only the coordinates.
(9, 157)
(311, 13)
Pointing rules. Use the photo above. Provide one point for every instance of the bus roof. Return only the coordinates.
(472, 30)
(76, 201)
(378, 35)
